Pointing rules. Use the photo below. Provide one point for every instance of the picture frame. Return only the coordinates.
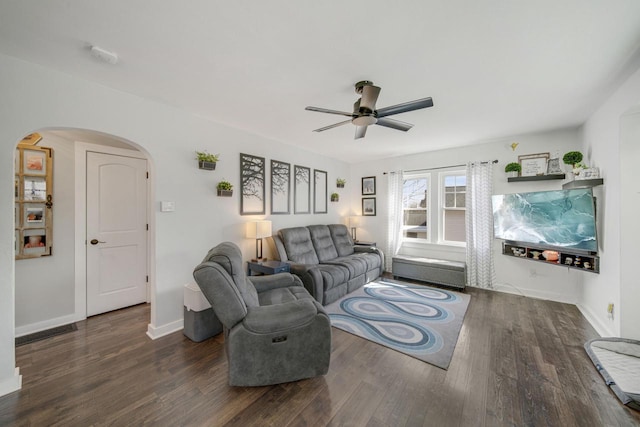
(369, 186)
(252, 176)
(533, 164)
(368, 206)
(31, 139)
(280, 187)
(34, 162)
(320, 192)
(301, 190)
(553, 167)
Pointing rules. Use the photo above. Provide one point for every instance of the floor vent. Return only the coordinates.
(28, 339)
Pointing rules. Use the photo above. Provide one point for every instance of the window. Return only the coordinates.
(454, 207)
(415, 207)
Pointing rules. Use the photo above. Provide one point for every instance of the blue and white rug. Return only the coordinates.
(417, 320)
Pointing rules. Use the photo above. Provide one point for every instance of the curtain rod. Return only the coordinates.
(440, 167)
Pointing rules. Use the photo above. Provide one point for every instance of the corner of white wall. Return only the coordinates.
(158, 332)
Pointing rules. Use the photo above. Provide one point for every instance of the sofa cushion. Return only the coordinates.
(297, 242)
(341, 239)
(332, 275)
(322, 242)
(282, 295)
(356, 265)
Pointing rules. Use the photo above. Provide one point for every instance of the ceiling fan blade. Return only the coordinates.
(369, 97)
(360, 131)
(394, 124)
(335, 125)
(405, 107)
(325, 110)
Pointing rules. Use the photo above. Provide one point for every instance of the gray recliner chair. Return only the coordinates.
(275, 332)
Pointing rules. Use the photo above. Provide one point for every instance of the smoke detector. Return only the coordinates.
(104, 55)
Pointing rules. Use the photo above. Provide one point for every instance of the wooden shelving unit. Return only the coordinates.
(565, 258)
(535, 178)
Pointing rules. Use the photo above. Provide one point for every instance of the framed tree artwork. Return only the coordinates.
(33, 194)
(280, 187)
(368, 185)
(320, 191)
(368, 206)
(301, 190)
(252, 174)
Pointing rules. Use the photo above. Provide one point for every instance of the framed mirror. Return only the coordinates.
(280, 187)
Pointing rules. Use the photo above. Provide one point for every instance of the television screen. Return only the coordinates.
(563, 218)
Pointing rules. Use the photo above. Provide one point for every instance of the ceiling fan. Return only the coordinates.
(365, 113)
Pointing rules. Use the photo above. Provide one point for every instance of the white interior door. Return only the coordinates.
(116, 232)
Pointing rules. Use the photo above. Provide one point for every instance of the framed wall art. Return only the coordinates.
(33, 201)
(301, 190)
(252, 176)
(280, 187)
(533, 164)
(320, 191)
(368, 206)
(368, 185)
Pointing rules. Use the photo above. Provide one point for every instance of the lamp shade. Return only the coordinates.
(354, 221)
(258, 229)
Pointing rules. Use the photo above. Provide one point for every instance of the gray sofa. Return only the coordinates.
(274, 331)
(326, 260)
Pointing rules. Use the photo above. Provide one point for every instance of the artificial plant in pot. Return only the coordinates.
(335, 197)
(340, 182)
(573, 158)
(206, 160)
(225, 188)
(512, 169)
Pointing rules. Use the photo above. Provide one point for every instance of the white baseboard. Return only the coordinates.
(600, 327)
(155, 332)
(11, 384)
(45, 324)
(533, 293)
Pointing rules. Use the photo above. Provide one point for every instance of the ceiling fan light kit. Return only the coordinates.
(365, 113)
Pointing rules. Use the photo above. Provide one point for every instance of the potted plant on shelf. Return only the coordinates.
(512, 169)
(335, 197)
(225, 188)
(573, 158)
(340, 182)
(207, 161)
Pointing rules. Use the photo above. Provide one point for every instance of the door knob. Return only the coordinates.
(96, 241)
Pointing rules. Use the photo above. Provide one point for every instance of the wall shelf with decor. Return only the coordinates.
(563, 258)
(583, 183)
(535, 178)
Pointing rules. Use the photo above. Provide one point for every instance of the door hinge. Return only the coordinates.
(147, 227)
(147, 175)
(147, 279)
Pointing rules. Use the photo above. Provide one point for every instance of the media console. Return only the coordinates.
(564, 258)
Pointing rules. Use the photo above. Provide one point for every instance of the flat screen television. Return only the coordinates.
(562, 219)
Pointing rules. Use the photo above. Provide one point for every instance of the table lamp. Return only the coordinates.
(258, 230)
(353, 223)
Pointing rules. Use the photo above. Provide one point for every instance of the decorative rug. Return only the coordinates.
(417, 320)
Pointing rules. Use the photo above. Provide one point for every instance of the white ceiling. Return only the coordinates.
(494, 68)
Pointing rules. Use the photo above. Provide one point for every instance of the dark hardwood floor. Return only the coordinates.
(518, 362)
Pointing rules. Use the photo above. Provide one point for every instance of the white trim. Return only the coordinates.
(46, 324)
(154, 332)
(533, 293)
(81, 150)
(11, 384)
(600, 327)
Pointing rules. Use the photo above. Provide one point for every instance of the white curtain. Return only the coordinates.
(394, 219)
(479, 224)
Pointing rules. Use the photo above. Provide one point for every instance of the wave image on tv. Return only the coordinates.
(564, 218)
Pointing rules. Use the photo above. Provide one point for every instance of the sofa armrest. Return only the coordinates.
(280, 317)
(274, 281)
(373, 250)
(311, 278)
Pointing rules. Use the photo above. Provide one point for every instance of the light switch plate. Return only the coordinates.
(167, 206)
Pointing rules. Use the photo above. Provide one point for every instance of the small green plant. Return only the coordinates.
(513, 167)
(204, 156)
(341, 181)
(572, 158)
(335, 197)
(224, 186)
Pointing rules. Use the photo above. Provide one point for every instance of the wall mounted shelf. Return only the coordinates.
(583, 183)
(535, 178)
(563, 258)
